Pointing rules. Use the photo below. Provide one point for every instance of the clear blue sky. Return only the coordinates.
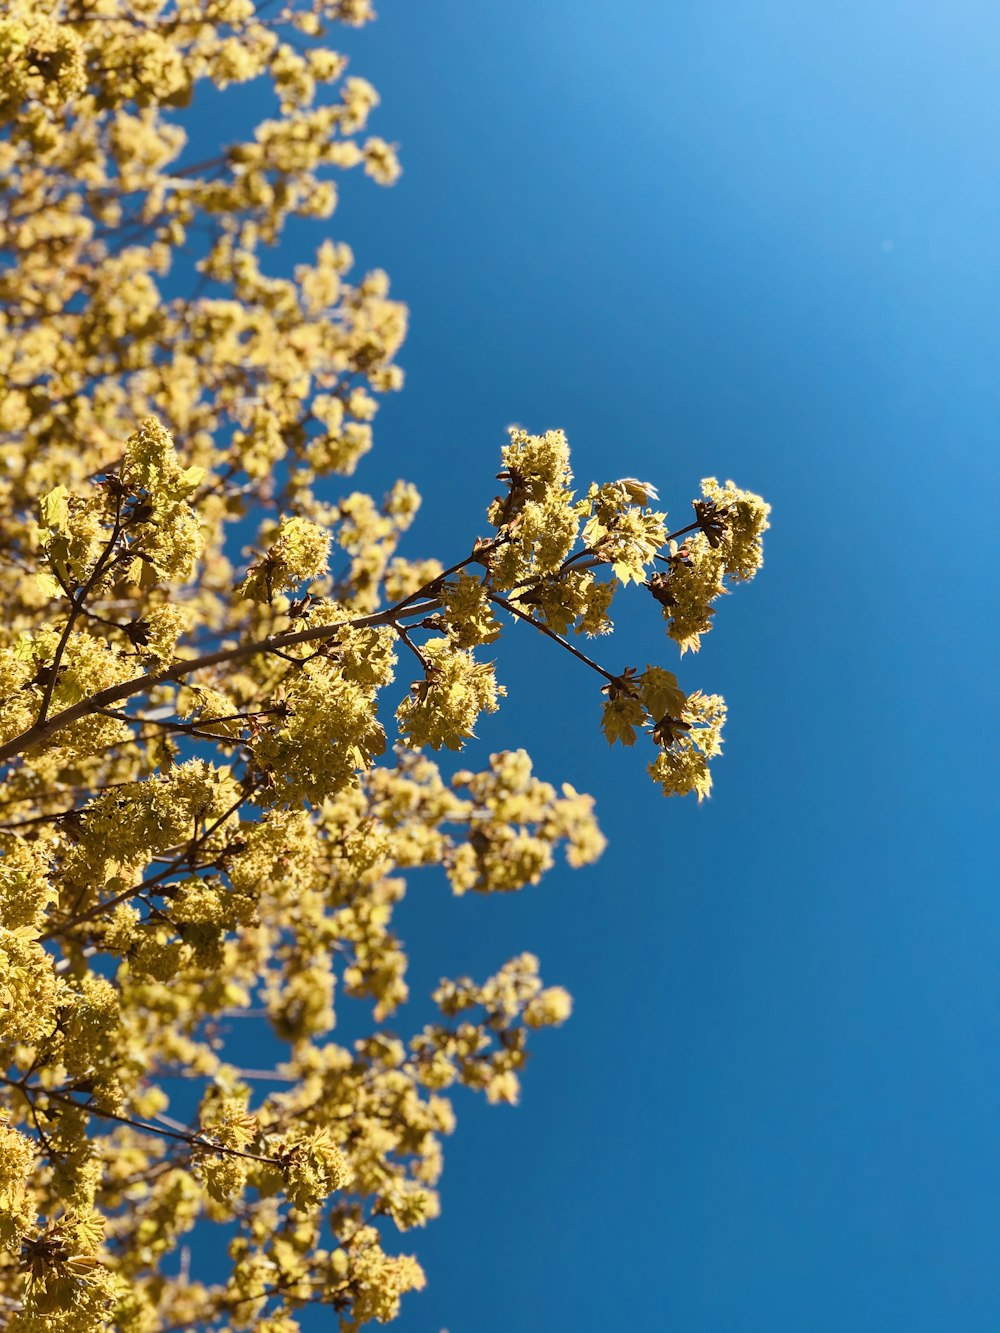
(756, 240)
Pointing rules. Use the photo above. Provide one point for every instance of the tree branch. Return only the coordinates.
(136, 890)
(42, 730)
(75, 608)
(195, 1140)
(558, 638)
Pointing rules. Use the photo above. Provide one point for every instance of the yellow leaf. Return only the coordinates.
(54, 509)
(183, 483)
(626, 571)
(661, 694)
(47, 585)
(621, 717)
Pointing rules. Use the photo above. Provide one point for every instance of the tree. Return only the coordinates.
(214, 767)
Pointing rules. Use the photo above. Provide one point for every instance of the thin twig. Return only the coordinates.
(75, 609)
(143, 888)
(558, 638)
(195, 1140)
(412, 647)
(672, 536)
(41, 731)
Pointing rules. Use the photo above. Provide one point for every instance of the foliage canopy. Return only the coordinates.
(215, 763)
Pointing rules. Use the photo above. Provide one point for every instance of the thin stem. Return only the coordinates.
(68, 591)
(75, 609)
(195, 1140)
(475, 558)
(558, 638)
(412, 647)
(58, 787)
(191, 728)
(586, 559)
(42, 730)
(672, 536)
(139, 889)
(41, 819)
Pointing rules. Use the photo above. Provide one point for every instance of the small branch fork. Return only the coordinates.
(139, 890)
(75, 609)
(193, 729)
(197, 1141)
(497, 600)
(585, 559)
(104, 699)
(416, 605)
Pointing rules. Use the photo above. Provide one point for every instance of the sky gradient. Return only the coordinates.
(759, 241)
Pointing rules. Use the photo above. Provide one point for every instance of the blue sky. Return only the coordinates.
(760, 241)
